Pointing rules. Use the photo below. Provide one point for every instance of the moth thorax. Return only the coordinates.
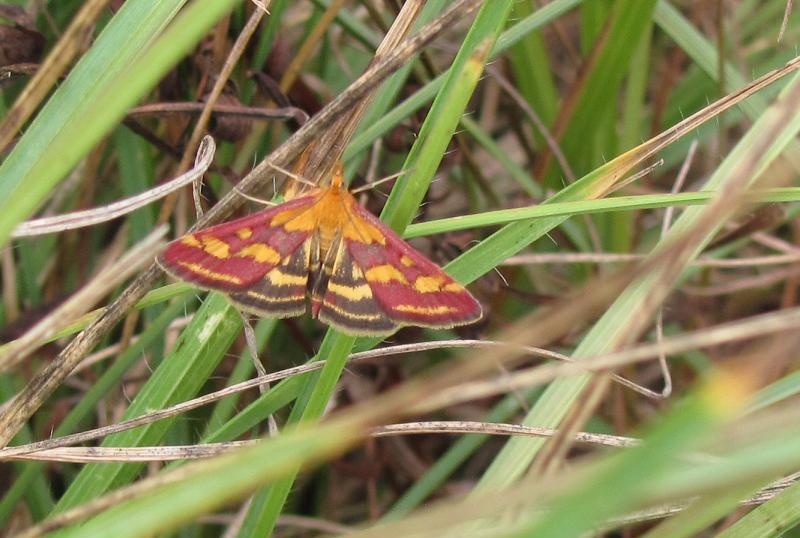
(330, 215)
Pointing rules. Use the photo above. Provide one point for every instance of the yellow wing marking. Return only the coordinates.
(384, 274)
(406, 261)
(200, 270)
(210, 245)
(191, 241)
(261, 253)
(428, 284)
(279, 278)
(431, 284)
(273, 299)
(352, 315)
(216, 247)
(353, 293)
(244, 233)
(357, 229)
(430, 310)
(296, 221)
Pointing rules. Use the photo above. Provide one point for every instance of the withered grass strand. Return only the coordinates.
(46, 75)
(84, 299)
(186, 452)
(98, 215)
(766, 324)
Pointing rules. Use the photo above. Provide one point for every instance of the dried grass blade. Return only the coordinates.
(90, 217)
(83, 300)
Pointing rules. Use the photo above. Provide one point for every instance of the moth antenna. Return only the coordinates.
(292, 175)
(253, 198)
(374, 184)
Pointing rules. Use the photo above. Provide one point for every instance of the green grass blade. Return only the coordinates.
(406, 196)
(226, 408)
(277, 397)
(179, 377)
(578, 510)
(443, 117)
(112, 77)
(629, 19)
(540, 18)
(583, 207)
(267, 506)
(702, 513)
(771, 519)
(560, 395)
(136, 175)
(532, 71)
(88, 403)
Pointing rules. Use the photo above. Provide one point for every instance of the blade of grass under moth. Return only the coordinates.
(423, 160)
(225, 409)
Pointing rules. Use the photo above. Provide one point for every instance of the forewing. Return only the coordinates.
(237, 254)
(410, 289)
(348, 303)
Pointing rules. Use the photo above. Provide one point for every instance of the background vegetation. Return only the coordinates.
(614, 179)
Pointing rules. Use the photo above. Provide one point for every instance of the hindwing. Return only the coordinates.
(348, 302)
(281, 293)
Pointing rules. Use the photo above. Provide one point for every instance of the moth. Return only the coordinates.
(361, 277)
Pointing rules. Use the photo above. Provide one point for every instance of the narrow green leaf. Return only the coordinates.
(179, 377)
(125, 62)
(561, 394)
(88, 403)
